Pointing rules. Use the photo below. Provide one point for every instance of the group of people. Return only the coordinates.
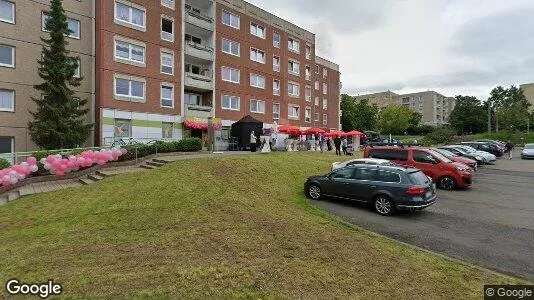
(340, 144)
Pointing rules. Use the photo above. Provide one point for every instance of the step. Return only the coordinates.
(147, 167)
(86, 180)
(26, 190)
(14, 195)
(155, 163)
(3, 200)
(159, 160)
(102, 173)
(95, 177)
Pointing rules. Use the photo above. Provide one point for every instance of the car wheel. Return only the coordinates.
(383, 205)
(446, 183)
(314, 192)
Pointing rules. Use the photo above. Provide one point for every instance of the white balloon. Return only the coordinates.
(34, 168)
(47, 166)
(13, 180)
(43, 160)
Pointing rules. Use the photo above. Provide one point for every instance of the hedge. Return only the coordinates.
(4, 164)
(185, 145)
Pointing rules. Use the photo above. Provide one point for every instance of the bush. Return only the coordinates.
(4, 164)
(421, 130)
(439, 136)
(185, 145)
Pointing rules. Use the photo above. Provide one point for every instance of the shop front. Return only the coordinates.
(198, 127)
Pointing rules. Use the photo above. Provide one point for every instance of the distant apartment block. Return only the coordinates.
(434, 107)
(528, 91)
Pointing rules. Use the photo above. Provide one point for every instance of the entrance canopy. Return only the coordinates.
(201, 123)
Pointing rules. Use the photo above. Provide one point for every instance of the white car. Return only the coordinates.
(490, 158)
(368, 161)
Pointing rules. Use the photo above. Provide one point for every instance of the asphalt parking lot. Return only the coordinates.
(490, 225)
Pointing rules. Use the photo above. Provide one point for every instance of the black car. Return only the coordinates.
(486, 147)
(388, 188)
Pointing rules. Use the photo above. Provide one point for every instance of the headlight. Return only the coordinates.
(478, 158)
(462, 169)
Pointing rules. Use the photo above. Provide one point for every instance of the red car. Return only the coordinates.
(447, 174)
(456, 158)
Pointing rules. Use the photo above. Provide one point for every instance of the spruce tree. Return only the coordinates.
(59, 120)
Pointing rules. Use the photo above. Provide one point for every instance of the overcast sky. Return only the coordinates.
(450, 46)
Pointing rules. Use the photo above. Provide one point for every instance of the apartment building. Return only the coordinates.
(528, 91)
(381, 99)
(158, 69)
(21, 28)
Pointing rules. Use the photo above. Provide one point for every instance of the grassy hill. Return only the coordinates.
(234, 227)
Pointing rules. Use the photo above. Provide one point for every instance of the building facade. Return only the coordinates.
(381, 99)
(21, 29)
(158, 69)
(528, 91)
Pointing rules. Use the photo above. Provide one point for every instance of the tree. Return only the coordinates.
(415, 122)
(510, 108)
(394, 119)
(468, 115)
(59, 118)
(357, 115)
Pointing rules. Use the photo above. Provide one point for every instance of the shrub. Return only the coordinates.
(438, 136)
(189, 144)
(4, 164)
(421, 130)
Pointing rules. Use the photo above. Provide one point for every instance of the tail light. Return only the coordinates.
(415, 191)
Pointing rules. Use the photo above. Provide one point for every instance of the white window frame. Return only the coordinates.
(306, 118)
(292, 70)
(257, 51)
(297, 117)
(325, 119)
(325, 88)
(256, 26)
(258, 77)
(276, 44)
(257, 106)
(291, 42)
(172, 132)
(325, 103)
(129, 23)
(325, 72)
(307, 72)
(230, 80)
(166, 85)
(317, 85)
(279, 108)
(13, 9)
(316, 101)
(290, 91)
(235, 16)
(308, 53)
(306, 89)
(129, 97)
(78, 70)
(165, 17)
(12, 92)
(162, 53)
(13, 53)
(72, 35)
(276, 92)
(230, 97)
(230, 42)
(130, 42)
(316, 117)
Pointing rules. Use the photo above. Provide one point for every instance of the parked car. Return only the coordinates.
(487, 147)
(369, 161)
(490, 158)
(496, 143)
(447, 174)
(528, 151)
(371, 137)
(463, 153)
(457, 158)
(388, 188)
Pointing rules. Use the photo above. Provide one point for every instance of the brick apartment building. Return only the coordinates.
(528, 91)
(152, 67)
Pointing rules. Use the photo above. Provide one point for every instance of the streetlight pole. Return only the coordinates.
(489, 117)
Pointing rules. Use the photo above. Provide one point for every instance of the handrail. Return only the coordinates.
(199, 46)
(200, 16)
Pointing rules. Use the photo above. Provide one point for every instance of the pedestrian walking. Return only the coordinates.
(509, 148)
(328, 144)
(252, 142)
(344, 145)
(337, 144)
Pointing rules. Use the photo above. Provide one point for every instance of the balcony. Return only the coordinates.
(198, 111)
(198, 82)
(199, 20)
(199, 51)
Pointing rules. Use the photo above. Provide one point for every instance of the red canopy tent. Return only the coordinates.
(336, 133)
(314, 131)
(288, 129)
(355, 133)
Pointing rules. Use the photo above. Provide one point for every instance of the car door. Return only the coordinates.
(338, 182)
(425, 162)
(362, 186)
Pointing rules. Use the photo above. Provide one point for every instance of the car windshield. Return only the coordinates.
(418, 178)
(468, 148)
(462, 151)
(444, 152)
(529, 146)
(440, 156)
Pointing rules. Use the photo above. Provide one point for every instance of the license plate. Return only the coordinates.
(428, 194)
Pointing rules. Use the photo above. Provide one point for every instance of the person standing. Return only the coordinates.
(321, 143)
(344, 144)
(252, 142)
(328, 144)
(509, 148)
(337, 144)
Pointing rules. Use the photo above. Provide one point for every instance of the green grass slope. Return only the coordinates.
(234, 227)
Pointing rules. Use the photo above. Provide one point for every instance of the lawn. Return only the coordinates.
(233, 227)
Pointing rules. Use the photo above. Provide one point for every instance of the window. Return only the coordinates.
(316, 101)
(192, 39)
(276, 87)
(257, 55)
(257, 106)
(325, 72)
(325, 88)
(7, 100)
(166, 130)
(126, 51)
(276, 39)
(167, 96)
(189, 8)
(307, 115)
(129, 88)
(276, 63)
(308, 93)
(257, 81)
(316, 85)
(74, 26)
(7, 56)
(316, 117)
(7, 11)
(325, 119)
(257, 30)
(231, 47)
(230, 102)
(293, 89)
(167, 62)
(316, 69)
(423, 157)
(308, 51)
(77, 71)
(293, 112)
(192, 99)
(364, 174)
(276, 111)
(344, 173)
(167, 29)
(294, 67)
(230, 19)
(230, 75)
(325, 103)
(293, 45)
(308, 73)
(401, 155)
(168, 3)
(131, 15)
(123, 128)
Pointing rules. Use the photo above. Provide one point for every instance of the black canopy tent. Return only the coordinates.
(242, 129)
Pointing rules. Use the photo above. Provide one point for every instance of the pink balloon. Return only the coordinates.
(70, 165)
(63, 167)
(89, 162)
(50, 159)
(31, 160)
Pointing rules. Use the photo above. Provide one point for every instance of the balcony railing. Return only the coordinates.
(203, 82)
(198, 110)
(199, 46)
(200, 16)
